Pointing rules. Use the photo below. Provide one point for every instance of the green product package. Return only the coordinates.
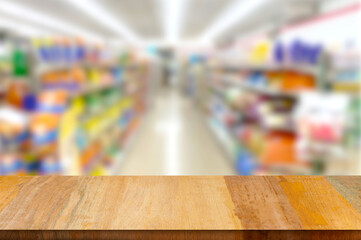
(20, 63)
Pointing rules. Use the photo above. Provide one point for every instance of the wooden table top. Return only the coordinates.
(180, 203)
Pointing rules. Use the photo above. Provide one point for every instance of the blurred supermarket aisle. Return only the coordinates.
(270, 90)
(174, 140)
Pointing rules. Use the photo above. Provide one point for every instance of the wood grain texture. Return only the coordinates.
(179, 203)
(9, 189)
(121, 203)
(261, 204)
(318, 205)
(349, 187)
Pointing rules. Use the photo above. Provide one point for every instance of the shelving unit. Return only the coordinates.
(120, 124)
(230, 122)
(258, 89)
(87, 112)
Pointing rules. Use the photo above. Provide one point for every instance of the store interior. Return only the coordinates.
(180, 87)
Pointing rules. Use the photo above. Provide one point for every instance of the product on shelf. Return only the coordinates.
(14, 139)
(20, 60)
(17, 91)
(84, 105)
(279, 149)
(345, 75)
(321, 125)
(257, 98)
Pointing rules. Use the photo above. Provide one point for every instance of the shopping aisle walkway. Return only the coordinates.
(174, 140)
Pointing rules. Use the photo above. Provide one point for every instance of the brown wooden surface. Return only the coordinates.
(266, 204)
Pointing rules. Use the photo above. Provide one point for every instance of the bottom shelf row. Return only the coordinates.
(92, 147)
(254, 151)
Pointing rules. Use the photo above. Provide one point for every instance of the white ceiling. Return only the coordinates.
(200, 14)
(144, 17)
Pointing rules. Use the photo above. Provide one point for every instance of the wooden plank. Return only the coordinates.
(121, 203)
(35, 201)
(179, 203)
(261, 204)
(318, 204)
(9, 189)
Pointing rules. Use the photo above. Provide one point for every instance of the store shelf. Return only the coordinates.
(95, 88)
(219, 86)
(277, 169)
(264, 90)
(227, 141)
(49, 67)
(125, 148)
(287, 129)
(237, 67)
(221, 96)
(104, 108)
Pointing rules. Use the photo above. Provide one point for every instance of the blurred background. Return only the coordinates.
(180, 87)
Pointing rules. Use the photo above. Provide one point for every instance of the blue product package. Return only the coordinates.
(31, 167)
(12, 168)
(79, 53)
(117, 73)
(44, 54)
(245, 163)
(51, 108)
(30, 102)
(279, 54)
(315, 54)
(296, 50)
(21, 137)
(57, 49)
(45, 138)
(68, 54)
(49, 167)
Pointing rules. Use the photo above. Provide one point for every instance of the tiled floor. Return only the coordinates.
(174, 140)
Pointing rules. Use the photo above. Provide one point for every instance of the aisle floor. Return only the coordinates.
(175, 140)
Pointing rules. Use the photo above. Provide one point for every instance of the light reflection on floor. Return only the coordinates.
(174, 140)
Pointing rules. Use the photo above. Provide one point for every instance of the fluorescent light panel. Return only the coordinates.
(33, 16)
(96, 11)
(173, 15)
(233, 14)
(22, 29)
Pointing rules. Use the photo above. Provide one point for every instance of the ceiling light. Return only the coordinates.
(96, 11)
(173, 12)
(22, 29)
(33, 16)
(233, 14)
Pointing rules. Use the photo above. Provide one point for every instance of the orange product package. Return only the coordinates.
(41, 123)
(16, 93)
(53, 97)
(49, 78)
(89, 154)
(78, 75)
(293, 81)
(279, 149)
(275, 79)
